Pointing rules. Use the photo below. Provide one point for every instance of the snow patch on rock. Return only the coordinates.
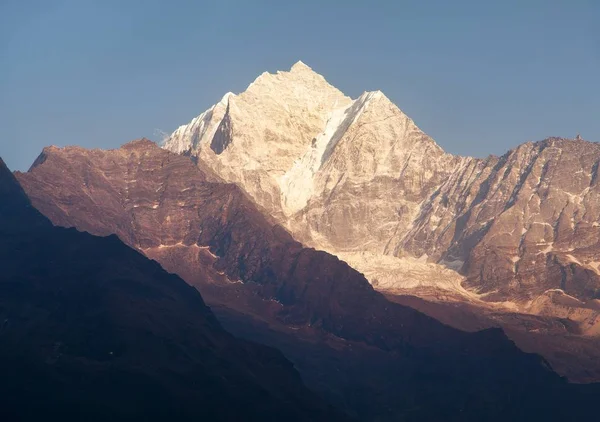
(297, 184)
(409, 275)
(188, 136)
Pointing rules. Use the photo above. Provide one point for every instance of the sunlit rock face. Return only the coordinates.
(324, 315)
(356, 177)
(93, 330)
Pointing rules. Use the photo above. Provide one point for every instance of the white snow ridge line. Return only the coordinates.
(297, 185)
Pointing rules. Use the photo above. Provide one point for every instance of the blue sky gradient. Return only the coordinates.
(479, 76)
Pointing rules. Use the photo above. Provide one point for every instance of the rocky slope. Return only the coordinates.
(359, 179)
(281, 111)
(93, 330)
(377, 359)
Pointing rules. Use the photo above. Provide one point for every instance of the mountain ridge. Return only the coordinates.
(371, 182)
(268, 287)
(93, 330)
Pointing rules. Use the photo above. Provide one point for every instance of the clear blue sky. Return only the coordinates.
(479, 76)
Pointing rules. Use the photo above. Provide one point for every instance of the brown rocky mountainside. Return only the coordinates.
(523, 224)
(377, 359)
(90, 329)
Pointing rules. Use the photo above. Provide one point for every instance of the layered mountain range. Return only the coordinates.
(359, 179)
(93, 330)
(299, 203)
(375, 359)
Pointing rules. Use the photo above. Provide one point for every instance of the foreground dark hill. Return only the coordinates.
(92, 330)
(378, 359)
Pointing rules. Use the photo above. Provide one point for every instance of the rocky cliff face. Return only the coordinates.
(253, 138)
(264, 285)
(359, 179)
(161, 204)
(522, 228)
(93, 330)
(523, 223)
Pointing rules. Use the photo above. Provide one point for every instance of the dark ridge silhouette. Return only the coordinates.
(90, 329)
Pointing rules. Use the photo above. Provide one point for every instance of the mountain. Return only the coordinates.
(279, 109)
(93, 330)
(358, 179)
(374, 358)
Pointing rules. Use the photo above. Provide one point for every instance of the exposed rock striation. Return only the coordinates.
(322, 313)
(358, 178)
(93, 330)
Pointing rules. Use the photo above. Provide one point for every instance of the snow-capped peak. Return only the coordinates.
(286, 127)
(226, 98)
(300, 66)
